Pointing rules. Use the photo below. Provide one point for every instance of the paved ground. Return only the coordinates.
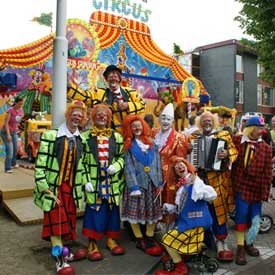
(23, 252)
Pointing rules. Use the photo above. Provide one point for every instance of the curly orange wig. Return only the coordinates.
(175, 160)
(103, 107)
(128, 135)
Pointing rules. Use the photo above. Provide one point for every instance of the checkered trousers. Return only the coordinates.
(188, 242)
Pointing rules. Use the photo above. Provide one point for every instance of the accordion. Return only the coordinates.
(205, 153)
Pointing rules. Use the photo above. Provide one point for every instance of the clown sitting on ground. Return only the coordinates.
(193, 215)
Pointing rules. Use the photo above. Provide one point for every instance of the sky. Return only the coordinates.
(188, 23)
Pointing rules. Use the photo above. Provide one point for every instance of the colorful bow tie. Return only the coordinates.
(107, 132)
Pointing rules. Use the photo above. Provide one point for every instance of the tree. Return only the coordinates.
(44, 19)
(177, 50)
(257, 19)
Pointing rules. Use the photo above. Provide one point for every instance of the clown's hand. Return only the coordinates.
(111, 170)
(89, 187)
(169, 208)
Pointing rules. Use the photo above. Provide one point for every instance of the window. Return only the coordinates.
(239, 64)
(265, 95)
(186, 62)
(239, 91)
(268, 96)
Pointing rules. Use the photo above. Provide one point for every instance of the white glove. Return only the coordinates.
(89, 187)
(169, 208)
(111, 170)
(135, 193)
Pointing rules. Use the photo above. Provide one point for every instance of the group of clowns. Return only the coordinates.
(126, 171)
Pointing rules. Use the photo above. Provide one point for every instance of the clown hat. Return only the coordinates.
(77, 104)
(255, 121)
(168, 110)
(111, 68)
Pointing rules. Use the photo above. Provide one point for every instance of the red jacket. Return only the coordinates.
(254, 181)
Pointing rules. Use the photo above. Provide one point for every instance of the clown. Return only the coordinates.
(207, 124)
(251, 178)
(141, 198)
(37, 94)
(170, 143)
(122, 101)
(193, 215)
(105, 160)
(59, 178)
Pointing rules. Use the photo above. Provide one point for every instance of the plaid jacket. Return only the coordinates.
(47, 170)
(253, 182)
(220, 180)
(116, 158)
(135, 103)
(136, 174)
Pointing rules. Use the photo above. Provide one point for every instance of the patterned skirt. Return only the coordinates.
(188, 242)
(141, 209)
(61, 220)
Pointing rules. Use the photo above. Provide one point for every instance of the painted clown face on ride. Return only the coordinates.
(137, 129)
(37, 78)
(181, 169)
(165, 122)
(113, 79)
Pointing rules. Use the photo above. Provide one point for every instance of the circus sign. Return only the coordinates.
(124, 7)
(83, 45)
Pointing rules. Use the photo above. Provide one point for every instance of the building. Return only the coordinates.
(230, 73)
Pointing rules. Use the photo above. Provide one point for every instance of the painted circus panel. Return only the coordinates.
(105, 39)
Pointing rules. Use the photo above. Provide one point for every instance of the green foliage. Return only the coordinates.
(44, 19)
(177, 49)
(257, 18)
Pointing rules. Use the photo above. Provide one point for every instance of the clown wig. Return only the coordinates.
(103, 107)
(171, 170)
(248, 131)
(214, 117)
(128, 134)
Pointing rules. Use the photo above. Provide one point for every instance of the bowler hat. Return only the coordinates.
(111, 68)
(254, 121)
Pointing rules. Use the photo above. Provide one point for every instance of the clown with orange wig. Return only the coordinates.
(105, 161)
(141, 197)
(193, 215)
(60, 175)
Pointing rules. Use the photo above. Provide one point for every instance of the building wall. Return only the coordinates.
(250, 82)
(217, 73)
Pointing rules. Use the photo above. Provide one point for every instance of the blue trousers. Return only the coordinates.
(11, 149)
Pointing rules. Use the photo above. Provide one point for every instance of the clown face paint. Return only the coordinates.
(136, 128)
(165, 123)
(75, 118)
(181, 169)
(101, 119)
(113, 80)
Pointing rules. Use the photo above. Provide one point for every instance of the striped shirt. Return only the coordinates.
(118, 95)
